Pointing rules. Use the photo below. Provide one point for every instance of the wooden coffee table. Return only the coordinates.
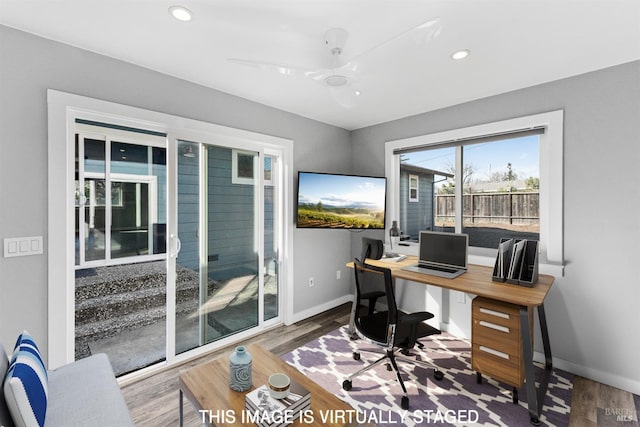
(207, 387)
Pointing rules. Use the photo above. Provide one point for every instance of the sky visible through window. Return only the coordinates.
(487, 160)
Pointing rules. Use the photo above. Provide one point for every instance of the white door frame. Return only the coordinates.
(63, 108)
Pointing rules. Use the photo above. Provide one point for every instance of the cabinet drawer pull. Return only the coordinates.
(494, 352)
(494, 326)
(494, 313)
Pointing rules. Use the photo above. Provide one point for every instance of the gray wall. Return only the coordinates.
(592, 311)
(30, 65)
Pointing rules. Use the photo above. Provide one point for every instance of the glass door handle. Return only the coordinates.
(178, 245)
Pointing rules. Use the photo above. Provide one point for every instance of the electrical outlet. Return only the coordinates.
(338, 274)
(311, 281)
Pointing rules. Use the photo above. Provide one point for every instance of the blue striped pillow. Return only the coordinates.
(26, 384)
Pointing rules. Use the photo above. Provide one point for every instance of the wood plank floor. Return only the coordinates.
(154, 401)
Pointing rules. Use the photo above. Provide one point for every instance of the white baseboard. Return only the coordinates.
(623, 383)
(305, 314)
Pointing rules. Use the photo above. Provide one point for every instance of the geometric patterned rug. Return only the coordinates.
(457, 400)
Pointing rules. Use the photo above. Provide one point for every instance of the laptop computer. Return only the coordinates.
(442, 254)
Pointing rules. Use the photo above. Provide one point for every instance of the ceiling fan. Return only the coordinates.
(341, 77)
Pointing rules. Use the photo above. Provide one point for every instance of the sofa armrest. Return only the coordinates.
(5, 416)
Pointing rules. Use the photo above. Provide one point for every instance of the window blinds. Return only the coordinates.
(474, 140)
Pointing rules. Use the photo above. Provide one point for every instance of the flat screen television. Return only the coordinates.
(337, 201)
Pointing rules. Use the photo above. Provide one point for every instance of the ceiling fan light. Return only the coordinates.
(336, 80)
(460, 54)
(181, 13)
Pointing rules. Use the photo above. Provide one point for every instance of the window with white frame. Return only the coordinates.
(501, 179)
(414, 184)
(120, 196)
(243, 167)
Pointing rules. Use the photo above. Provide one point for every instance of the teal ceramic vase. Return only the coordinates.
(240, 369)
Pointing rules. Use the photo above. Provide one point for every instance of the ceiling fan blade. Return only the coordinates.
(287, 70)
(322, 76)
(432, 29)
(318, 75)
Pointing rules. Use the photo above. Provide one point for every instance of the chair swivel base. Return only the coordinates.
(437, 373)
(347, 384)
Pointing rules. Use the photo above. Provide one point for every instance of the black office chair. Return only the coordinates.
(390, 329)
(371, 249)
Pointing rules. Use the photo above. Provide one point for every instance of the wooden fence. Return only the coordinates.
(517, 208)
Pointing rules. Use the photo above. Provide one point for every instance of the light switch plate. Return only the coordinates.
(22, 246)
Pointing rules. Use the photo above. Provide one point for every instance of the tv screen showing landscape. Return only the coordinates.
(340, 201)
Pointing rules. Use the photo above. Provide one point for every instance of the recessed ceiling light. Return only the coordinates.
(181, 13)
(460, 54)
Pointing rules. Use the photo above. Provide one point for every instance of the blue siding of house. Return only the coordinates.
(416, 216)
(188, 211)
(231, 218)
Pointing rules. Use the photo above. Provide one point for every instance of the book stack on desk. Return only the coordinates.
(517, 262)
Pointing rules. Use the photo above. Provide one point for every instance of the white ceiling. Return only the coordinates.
(513, 44)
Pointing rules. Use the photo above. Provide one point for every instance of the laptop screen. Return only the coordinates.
(446, 249)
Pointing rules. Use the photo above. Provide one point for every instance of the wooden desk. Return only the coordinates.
(477, 281)
(206, 386)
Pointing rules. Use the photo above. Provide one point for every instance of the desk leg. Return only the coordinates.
(181, 421)
(548, 363)
(352, 320)
(535, 398)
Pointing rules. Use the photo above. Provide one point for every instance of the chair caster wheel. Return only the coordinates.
(356, 356)
(346, 385)
(389, 368)
(438, 375)
(420, 345)
(404, 403)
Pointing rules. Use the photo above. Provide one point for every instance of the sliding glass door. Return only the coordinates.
(120, 257)
(272, 234)
(225, 254)
(166, 235)
(227, 232)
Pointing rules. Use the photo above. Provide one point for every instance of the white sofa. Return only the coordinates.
(81, 393)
